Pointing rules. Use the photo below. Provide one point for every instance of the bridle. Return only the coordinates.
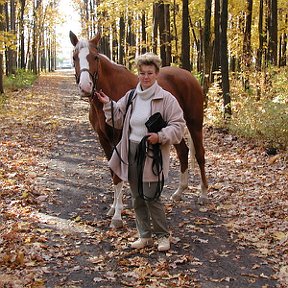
(94, 76)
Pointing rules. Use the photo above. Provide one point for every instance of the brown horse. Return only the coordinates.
(94, 71)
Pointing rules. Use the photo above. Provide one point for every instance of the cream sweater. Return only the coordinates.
(141, 112)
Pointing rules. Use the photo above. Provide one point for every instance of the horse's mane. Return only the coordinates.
(111, 61)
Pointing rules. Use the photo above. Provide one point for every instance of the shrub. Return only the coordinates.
(260, 113)
(263, 120)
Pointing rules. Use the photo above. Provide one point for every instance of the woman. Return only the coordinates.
(148, 98)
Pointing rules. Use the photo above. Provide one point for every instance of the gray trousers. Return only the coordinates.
(150, 215)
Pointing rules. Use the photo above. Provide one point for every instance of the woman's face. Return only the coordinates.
(147, 76)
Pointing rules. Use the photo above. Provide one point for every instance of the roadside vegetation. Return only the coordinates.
(21, 79)
(260, 113)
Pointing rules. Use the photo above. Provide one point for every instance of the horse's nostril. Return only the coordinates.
(86, 88)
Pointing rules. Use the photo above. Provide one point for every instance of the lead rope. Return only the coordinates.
(113, 123)
(142, 151)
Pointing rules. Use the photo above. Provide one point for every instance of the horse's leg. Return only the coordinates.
(197, 137)
(182, 152)
(117, 206)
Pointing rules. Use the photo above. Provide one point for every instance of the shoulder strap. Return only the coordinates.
(127, 106)
(129, 99)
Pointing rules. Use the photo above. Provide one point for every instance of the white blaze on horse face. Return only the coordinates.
(85, 81)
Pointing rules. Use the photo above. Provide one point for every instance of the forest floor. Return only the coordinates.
(56, 190)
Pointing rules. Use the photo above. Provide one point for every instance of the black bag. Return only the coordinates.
(155, 123)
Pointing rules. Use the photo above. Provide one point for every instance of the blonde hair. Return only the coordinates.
(148, 58)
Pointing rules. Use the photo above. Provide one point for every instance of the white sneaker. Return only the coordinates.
(141, 243)
(163, 244)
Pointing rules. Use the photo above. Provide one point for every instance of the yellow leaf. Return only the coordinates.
(20, 258)
(279, 235)
(28, 240)
(77, 219)
(273, 159)
(25, 194)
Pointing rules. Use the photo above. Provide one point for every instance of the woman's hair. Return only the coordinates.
(148, 58)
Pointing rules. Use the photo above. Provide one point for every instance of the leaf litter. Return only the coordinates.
(54, 231)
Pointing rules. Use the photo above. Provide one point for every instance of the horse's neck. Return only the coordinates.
(115, 80)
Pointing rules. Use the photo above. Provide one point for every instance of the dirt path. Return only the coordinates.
(81, 249)
(86, 253)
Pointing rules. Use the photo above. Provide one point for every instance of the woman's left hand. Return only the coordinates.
(153, 138)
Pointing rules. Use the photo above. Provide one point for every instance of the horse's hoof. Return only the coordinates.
(176, 197)
(111, 211)
(116, 224)
(203, 200)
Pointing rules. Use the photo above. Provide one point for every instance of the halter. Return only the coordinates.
(94, 76)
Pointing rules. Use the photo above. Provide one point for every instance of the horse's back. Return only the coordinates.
(186, 88)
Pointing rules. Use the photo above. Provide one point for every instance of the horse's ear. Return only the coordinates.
(96, 39)
(73, 38)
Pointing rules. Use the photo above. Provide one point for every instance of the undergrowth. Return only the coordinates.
(21, 79)
(260, 113)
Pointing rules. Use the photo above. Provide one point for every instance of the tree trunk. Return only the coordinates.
(261, 38)
(22, 35)
(86, 16)
(121, 39)
(207, 47)
(176, 60)
(272, 43)
(155, 28)
(163, 22)
(8, 64)
(283, 46)
(143, 34)
(11, 51)
(185, 51)
(131, 41)
(216, 46)
(224, 61)
(198, 44)
(160, 16)
(167, 34)
(247, 51)
(2, 28)
(115, 43)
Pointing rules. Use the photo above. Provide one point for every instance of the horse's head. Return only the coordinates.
(86, 63)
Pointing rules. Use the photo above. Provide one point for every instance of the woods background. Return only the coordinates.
(237, 49)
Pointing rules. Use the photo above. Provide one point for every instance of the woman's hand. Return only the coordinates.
(153, 138)
(102, 97)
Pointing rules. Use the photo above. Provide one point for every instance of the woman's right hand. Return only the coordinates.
(102, 97)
